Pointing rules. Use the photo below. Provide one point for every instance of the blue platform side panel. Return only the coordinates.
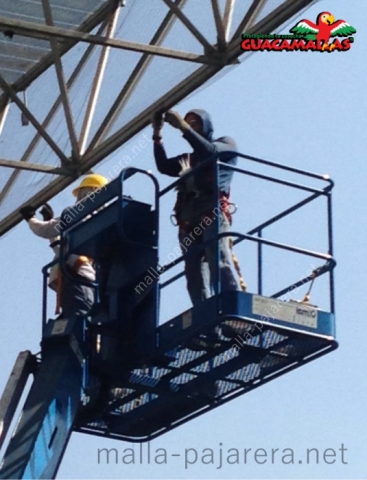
(244, 306)
(294, 315)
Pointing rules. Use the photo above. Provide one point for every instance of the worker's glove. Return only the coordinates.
(27, 212)
(175, 120)
(157, 122)
(47, 212)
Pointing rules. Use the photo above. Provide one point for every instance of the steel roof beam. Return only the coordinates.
(227, 17)
(3, 115)
(201, 75)
(34, 167)
(219, 23)
(61, 81)
(37, 30)
(249, 18)
(88, 25)
(97, 82)
(133, 80)
(138, 123)
(49, 117)
(176, 94)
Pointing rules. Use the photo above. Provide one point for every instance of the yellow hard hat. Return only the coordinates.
(91, 181)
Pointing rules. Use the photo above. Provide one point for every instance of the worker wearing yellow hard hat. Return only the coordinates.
(72, 297)
(91, 182)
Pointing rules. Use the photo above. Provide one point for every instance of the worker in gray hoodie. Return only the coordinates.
(195, 209)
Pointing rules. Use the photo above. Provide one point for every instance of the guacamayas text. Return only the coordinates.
(294, 44)
(306, 36)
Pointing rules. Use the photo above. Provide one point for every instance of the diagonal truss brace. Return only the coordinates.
(62, 85)
(3, 115)
(197, 34)
(87, 25)
(49, 117)
(268, 24)
(219, 24)
(250, 18)
(94, 93)
(227, 17)
(133, 79)
(7, 88)
(272, 21)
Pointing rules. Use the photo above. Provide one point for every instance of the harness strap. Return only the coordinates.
(236, 264)
(306, 298)
(58, 292)
(224, 206)
(74, 269)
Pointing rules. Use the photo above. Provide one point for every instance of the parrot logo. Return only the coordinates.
(305, 36)
(325, 27)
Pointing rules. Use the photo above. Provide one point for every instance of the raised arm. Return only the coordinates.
(167, 166)
(49, 229)
(204, 149)
(202, 145)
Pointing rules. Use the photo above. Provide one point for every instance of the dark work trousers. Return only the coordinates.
(201, 267)
(75, 298)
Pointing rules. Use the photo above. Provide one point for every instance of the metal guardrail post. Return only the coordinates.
(259, 265)
(315, 193)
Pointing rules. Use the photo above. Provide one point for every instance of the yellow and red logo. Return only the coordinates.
(306, 36)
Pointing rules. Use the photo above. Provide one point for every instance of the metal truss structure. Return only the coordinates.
(114, 64)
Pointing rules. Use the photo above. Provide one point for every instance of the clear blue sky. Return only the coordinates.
(307, 110)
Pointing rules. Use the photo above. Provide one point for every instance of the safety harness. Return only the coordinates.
(57, 283)
(225, 207)
(72, 271)
(236, 264)
(306, 298)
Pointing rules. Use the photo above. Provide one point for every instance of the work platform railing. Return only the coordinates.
(177, 382)
(84, 382)
(256, 233)
(105, 197)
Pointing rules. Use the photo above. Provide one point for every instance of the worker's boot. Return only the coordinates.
(209, 341)
(233, 328)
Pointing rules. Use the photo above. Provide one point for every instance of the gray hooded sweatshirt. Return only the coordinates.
(191, 208)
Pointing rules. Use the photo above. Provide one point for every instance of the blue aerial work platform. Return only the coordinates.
(117, 373)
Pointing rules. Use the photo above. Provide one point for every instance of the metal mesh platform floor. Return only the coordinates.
(156, 399)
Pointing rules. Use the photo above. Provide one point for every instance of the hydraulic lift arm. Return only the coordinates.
(46, 421)
(24, 365)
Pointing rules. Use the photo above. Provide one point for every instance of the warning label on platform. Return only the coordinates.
(271, 309)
